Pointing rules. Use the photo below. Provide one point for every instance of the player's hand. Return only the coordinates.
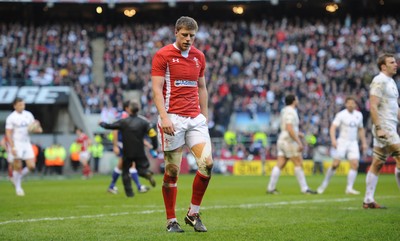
(334, 144)
(14, 151)
(365, 148)
(300, 147)
(167, 127)
(382, 135)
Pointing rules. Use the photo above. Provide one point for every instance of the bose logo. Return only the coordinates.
(35, 94)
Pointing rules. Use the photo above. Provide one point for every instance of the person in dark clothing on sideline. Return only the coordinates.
(133, 129)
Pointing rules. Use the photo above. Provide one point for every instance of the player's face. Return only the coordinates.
(19, 106)
(390, 66)
(184, 38)
(351, 105)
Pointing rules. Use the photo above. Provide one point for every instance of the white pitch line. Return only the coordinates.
(254, 205)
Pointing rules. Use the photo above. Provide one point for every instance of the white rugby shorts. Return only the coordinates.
(346, 149)
(189, 131)
(24, 152)
(288, 148)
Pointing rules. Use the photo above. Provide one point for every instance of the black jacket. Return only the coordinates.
(133, 130)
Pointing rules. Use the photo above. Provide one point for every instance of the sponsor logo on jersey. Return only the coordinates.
(185, 83)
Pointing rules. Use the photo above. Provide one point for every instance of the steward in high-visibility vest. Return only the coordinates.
(74, 151)
(230, 139)
(260, 137)
(49, 159)
(97, 151)
(60, 155)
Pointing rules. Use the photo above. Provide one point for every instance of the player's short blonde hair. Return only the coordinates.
(186, 23)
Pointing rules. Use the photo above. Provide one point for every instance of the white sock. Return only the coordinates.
(329, 173)
(172, 220)
(194, 209)
(298, 171)
(17, 179)
(276, 172)
(351, 177)
(371, 181)
(24, 171)
(397, 175)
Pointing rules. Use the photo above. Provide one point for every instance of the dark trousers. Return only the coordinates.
(142, 166)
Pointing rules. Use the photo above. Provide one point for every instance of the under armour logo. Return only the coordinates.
(175, 60)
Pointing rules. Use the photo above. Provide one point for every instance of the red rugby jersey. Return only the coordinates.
(181, 71)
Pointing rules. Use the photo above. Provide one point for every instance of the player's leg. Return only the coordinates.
(202, 153)
(378, 160)
(351, 177)
(172, 148)
(284, 149)
(299, 173)
(135, 177)
(17, 176)
(275, 173)
(85, 157)
(354, 157)
(30, 166)
(199, 142)
(395, 150)
(172, 161)
(329, 173)
(114, 177)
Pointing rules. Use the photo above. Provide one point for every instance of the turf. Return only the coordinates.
(234, 208)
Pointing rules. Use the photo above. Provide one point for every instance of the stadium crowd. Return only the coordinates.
(251, 65)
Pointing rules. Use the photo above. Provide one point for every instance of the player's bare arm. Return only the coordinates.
(9, 133)
(374, 103)
(361, 134)
(294, 136)
(157, 87)
(332, 134)
(203, 97)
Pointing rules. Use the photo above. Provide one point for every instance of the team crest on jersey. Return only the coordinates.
(185, 83)
(197, 62)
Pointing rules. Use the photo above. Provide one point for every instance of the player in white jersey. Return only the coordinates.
(350, 124)
(289, 147)
(385, 115)
(18, 125)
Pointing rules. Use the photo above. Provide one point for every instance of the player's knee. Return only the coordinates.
(202, 154)
(379, 156)
(172, 170)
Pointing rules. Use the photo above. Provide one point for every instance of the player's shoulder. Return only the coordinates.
(196, 51)
(27, 112)
(380, 78)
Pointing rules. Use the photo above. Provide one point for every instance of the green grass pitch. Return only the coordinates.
(234, 208)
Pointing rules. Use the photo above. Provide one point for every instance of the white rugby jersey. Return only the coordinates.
(19, 122)
(348, 124)
(385, 88)
(288, 116)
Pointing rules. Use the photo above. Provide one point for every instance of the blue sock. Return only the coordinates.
(135, 177)
(115, 175)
